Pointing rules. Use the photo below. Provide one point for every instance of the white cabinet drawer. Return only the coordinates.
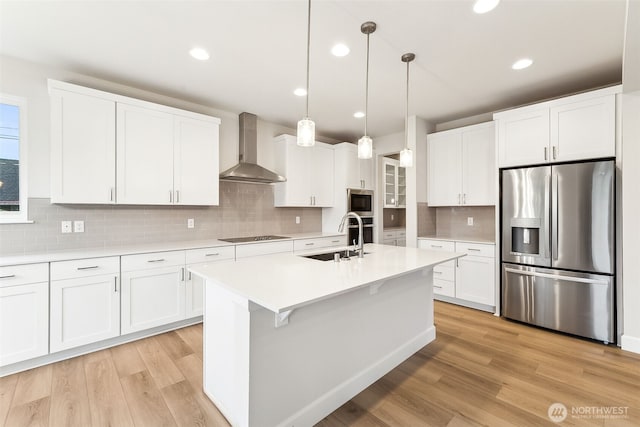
(320, 242)
(437, 245)
(84, 267)
(218, 253)
(388, 235)
(445, 271)
(444, 287)
(23, 274)
(256, 249)
(477, 249)
(152, 260)
(401, 233)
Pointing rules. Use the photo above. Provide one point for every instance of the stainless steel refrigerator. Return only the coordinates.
(558, 247)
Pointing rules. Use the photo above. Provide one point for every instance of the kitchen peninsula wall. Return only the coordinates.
(245, 209)
(451, 222)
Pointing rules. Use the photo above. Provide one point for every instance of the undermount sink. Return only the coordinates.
(328, 256)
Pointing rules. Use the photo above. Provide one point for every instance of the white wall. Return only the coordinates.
(630, 180)
(29, 80)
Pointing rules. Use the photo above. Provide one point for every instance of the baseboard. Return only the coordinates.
(465, 303)
(96, 346)
(333, 399)
(630, 343)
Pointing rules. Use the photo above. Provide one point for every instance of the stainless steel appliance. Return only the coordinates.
(558, 244)
(360, 202)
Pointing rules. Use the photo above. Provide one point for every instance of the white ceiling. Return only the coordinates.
(258, 49)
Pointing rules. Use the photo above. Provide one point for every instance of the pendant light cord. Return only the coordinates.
(406, 116)
(366, 91)
(308, 49)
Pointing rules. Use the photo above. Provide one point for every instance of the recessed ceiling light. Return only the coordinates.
(199, 53)
(300, 91)
(522, 63)
(340, 50)
(358, 114)
(484, 6)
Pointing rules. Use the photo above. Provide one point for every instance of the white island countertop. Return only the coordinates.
(283, 282)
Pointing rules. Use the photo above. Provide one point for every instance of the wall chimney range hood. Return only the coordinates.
(248, 170)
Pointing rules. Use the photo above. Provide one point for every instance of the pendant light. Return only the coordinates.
(365, 144)
(406, 155)
(306, 126)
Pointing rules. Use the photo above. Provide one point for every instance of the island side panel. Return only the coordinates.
(333, 349)
(226, 326)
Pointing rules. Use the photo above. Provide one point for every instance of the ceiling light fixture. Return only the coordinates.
(484, 6)
(300, 91)
(358, 114)
(199, 53)
(365, 144)
(306, 126)
(521, 64)
(406, 155)
(340, 50)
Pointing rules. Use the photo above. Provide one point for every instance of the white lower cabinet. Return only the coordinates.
(319, 243)
(153, 290)
(468, 279)
(263, 248)
(24, 312)
(85, 302)
(394, 237)
(194, 289)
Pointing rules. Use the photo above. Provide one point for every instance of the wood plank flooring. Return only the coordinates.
(481, 370)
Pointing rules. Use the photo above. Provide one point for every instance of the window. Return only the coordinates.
(13, 150)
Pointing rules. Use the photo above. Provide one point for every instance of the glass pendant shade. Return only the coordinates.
(306, 132)
(365, 147)
(406, 158)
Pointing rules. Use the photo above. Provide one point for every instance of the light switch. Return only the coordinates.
(297, 220)
(191, 223)
(470, 220)
(78, 226)
(66, 227)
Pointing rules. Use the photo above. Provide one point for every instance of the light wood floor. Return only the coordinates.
(481, 370)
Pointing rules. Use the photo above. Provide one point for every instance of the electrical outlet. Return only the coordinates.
(191, 223)
(297, 220)
(78, 226)
(391, 217)
(66, 227)
(470, 220)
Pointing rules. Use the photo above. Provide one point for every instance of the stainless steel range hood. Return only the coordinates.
(248, 169)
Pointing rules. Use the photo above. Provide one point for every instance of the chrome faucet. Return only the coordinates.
(360, 249)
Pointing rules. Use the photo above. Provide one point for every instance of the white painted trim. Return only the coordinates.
(631, 344)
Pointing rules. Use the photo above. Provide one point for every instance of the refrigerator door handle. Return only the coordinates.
(557, 276)
(554, 210)
(547, 195)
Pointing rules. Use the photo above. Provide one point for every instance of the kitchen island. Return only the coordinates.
(289, 339)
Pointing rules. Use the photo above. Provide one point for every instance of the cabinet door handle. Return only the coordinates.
(545, 153)
(156, 260)
(554, 152)
(177, 196)
(464, 198)
(459, 199)
(189, 276)
(170, 196)
(8, 276)
(91, 267)
(182, 274)
(111, 194)
(115, 284)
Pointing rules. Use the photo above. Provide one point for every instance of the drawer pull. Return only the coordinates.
(437, 287)
(9, 276)
(309, 244)
(473, 249)
(212, 254)
(156, 260)
(91, 267)
(436, 246)
(437, 272)
(335, 241)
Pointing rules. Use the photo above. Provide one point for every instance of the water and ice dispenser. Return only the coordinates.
(525, 236)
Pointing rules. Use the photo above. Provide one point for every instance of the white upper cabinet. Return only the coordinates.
(395, 184)
(461, 166)
(352, 172)
(577, 127)
(145, 156)
(309, 172)
(83, 148)
(165, 156)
